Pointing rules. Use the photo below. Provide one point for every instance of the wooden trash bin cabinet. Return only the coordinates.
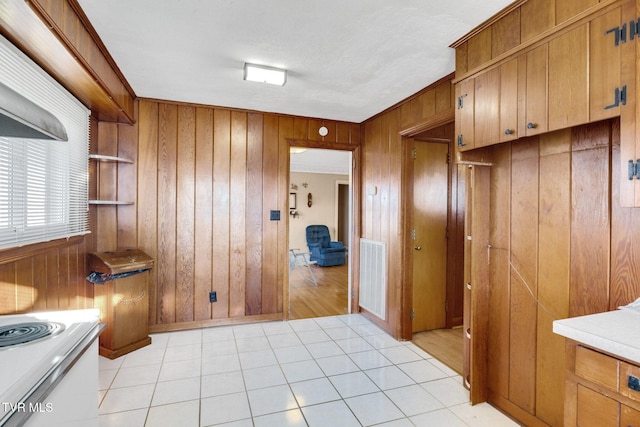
(123, 300)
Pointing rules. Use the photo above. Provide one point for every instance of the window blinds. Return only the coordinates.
(43, 184)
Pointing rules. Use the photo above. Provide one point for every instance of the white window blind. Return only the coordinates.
(43, 184)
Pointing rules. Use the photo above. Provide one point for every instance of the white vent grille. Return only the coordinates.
(373, 277)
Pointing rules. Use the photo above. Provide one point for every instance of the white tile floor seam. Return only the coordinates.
(330, 371)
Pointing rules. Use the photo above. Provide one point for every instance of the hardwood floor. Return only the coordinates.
(443, 344)
(328, 298)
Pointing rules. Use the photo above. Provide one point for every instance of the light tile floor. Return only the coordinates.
(329, 371)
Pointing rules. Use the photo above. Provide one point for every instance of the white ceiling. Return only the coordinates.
(346, 59)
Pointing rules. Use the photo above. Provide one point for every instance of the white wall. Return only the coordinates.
(323, 210)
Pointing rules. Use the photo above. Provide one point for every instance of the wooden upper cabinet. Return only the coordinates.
(604, 66)
(487, 107)
(509, 100)
(465, 92)
(569, 79)
(532, 91)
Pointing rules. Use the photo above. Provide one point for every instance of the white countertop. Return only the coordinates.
(614, 332)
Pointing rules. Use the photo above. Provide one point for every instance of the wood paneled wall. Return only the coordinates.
(204, 182)
(560, 246)
(518, 23)
(383, 216)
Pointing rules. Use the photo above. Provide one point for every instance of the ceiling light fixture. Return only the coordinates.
(263, 74)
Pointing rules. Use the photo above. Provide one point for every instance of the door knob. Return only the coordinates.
(417, 248)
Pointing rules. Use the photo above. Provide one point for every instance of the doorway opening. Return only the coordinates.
(435, 206)
(321, 183)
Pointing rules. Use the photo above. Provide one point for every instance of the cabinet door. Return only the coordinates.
(534, 94)
(629, 417)
(604, 66)
(629, 115)
(568, 79)
(595, 409)
(487, 106)
(465, 115)
(509, 101)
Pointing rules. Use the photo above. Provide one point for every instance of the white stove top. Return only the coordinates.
(22, 366)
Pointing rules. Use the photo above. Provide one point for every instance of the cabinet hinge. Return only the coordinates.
(353, 293)
(620, 97)
(413, 234)
(448, 157)
(414, 153)
(461, 141)
(461, 101)
(412, 314)
(634, 169)
(620, 34)
(634, 29)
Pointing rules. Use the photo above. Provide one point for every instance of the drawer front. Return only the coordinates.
(630, 381)
(597, 368)
(595, 409)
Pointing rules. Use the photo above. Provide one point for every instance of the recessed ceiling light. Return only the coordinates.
(263, 74)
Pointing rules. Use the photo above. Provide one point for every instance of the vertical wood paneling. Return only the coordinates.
(479, 49)
(147, 201)
(203, 213)
(524, 279)
(106, 239)
(254, 225)
(553, 272)
(270, 202)
(539, 16)
(590, 234)
(24, 288)
(237, 204)
(127, 186)
(625, 238)
(221, 181)
(566, 9)
(285, 128)
(185, 218)
(505, 33)
(499, 270)
(52, 293)
(40, 282)
(166, 261)
(8, 289)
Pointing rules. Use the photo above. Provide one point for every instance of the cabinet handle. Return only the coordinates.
(509, 132)
(468, 333)
(469, 286)
(531, 125)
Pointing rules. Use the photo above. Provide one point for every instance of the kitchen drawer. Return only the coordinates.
(630, 381)
(629, 417)
(595, 409)
(597, 368)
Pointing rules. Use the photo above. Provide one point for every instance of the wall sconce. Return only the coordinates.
(309, 199)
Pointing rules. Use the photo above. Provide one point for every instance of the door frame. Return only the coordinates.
(454, 272)
(354, 215)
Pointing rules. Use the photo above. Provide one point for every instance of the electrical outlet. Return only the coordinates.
(213, 297)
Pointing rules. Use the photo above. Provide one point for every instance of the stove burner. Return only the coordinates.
(22, 333)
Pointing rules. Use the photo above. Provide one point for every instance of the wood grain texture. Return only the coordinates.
(479, 49)
(553, 273)
(524, 273)
(590, 220)
(505, 33)
(540, 16)
(566, 9)
(499, 271)
(569, 79)
(207, 180)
